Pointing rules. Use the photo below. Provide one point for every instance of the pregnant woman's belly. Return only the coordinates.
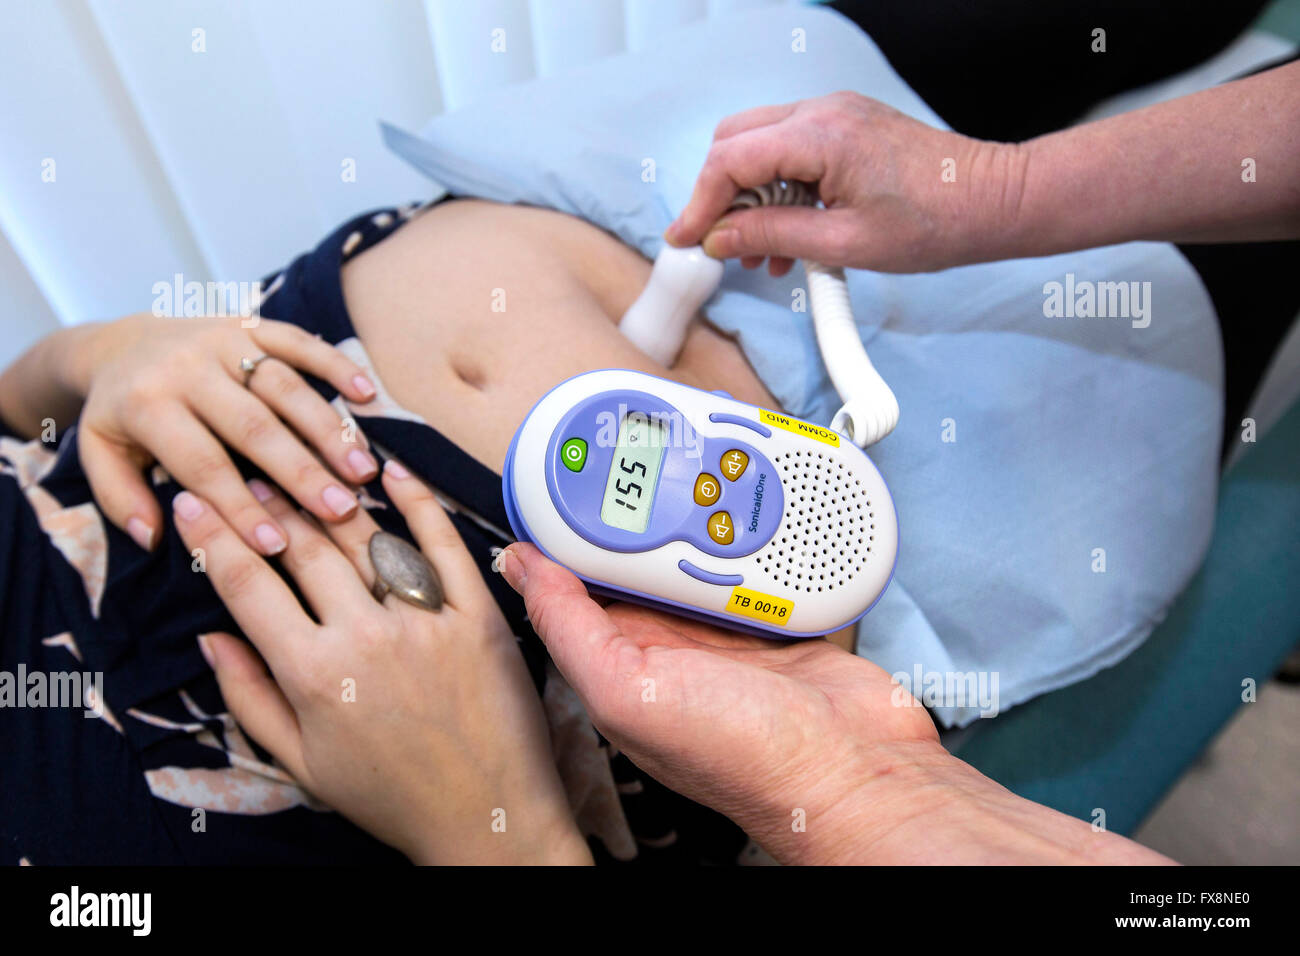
(473, 311)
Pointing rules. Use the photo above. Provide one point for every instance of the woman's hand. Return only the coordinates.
(900, 196)
(422, 727)
(171, 391)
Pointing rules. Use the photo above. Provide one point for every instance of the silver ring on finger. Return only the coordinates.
(249, 365)
(403, 571)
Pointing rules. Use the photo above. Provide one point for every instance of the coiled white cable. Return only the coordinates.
(870, 409)
(682, 279)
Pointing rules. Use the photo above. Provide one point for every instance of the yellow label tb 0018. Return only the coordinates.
(760, 606)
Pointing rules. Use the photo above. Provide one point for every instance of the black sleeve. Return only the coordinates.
(1009, 70)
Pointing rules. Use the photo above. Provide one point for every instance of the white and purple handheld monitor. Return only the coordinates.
(693, 502)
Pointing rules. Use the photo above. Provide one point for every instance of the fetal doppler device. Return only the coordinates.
(699, 504)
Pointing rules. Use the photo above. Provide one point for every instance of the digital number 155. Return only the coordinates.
(618, 486)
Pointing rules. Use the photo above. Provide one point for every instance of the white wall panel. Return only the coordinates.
(723, 7)
(337, 67)
(218, 128)
(567, 33)
(480, 46)
(96, 238)
(648, 19)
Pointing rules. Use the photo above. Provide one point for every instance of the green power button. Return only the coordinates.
(574, 454)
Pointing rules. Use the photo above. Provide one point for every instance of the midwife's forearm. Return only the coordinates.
(1222, 165)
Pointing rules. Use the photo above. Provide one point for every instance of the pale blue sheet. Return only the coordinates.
(1071, 434)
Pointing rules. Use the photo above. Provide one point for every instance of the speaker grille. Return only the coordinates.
(827, 529)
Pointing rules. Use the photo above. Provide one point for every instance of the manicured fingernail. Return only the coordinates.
(187, 506)
(393, 468)
(337, 500)
(512, 569)
(205, 648)
(362, 465)
(268, 539)
(259, 489)
(363, 385)
(720, 241)
(140, 533)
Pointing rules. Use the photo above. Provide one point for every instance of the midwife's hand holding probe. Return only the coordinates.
(1222, 165)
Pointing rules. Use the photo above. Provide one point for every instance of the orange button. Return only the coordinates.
(720, 529)
(706, 489)
(733, 464)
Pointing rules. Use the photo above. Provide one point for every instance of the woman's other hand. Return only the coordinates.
(422, 727)
(900, 196)
(171, 391)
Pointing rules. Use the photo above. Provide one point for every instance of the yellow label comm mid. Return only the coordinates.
(794, 425)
